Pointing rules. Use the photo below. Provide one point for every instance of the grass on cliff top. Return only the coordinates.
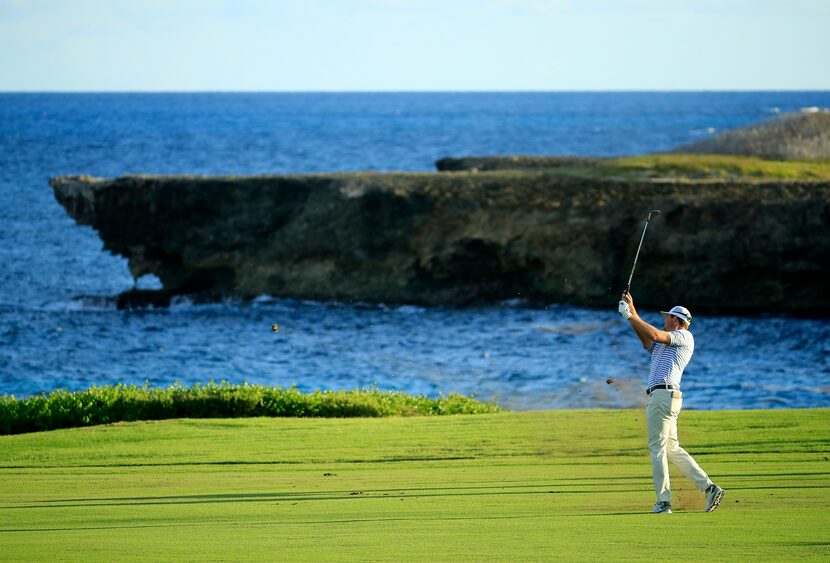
(119, 403)
(549, 485)
(682, 167)
(712, 167)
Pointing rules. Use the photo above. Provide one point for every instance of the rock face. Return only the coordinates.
(791, 136)
(488, 163)
(465, 238)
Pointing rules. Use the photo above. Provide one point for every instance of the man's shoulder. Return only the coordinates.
(682, 337)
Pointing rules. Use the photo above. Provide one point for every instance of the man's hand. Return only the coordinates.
(628, 301)
(627, 309)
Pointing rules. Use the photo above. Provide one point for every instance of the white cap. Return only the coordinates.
(679, 312)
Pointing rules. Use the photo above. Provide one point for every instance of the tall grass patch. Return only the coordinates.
(123, 403)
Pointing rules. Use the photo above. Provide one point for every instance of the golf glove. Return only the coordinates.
(625, 312)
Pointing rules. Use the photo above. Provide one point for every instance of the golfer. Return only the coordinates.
(671, 349)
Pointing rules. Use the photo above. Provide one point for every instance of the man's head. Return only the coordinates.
(677, 318)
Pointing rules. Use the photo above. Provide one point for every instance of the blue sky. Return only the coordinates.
(413, 45)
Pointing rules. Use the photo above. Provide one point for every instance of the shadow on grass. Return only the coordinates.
(637, 483)
(401, 493)
(246, 462)
(412, 493)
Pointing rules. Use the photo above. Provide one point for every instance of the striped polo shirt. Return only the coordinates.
(669, 360)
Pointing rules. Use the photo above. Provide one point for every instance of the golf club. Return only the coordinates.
(650, 213)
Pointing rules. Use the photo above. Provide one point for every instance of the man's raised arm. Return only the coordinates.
(645, 332)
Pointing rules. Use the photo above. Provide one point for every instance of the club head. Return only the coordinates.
(653, 212)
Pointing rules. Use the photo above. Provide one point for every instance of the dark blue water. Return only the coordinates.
(523, 357)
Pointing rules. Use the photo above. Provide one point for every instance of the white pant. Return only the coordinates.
(662, 410)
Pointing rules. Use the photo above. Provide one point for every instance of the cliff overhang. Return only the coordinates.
(468, 237)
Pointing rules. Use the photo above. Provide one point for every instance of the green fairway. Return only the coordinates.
(544, 485)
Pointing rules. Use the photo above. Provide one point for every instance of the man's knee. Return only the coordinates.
(657, 442)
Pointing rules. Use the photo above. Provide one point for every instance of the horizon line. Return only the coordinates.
(425, 91)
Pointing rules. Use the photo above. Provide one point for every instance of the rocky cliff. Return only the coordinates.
(464, 238)
(804, 135)
(489, 163)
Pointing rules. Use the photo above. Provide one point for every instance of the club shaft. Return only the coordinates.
(637, 255)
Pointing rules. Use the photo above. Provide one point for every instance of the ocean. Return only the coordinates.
(59, 330)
